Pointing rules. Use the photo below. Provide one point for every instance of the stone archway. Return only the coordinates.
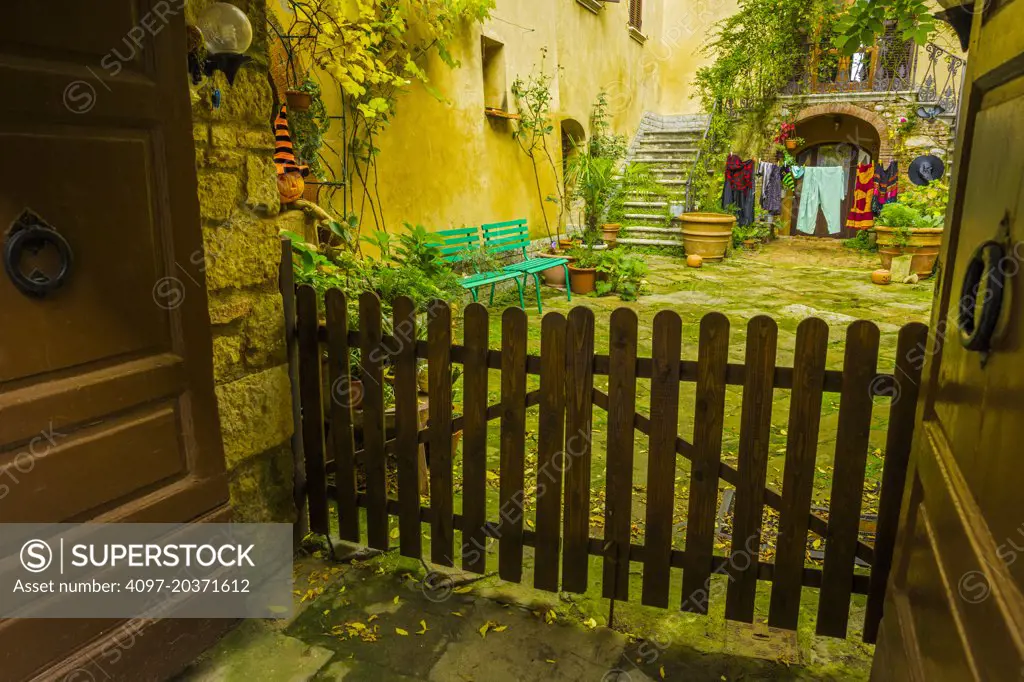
(844, 109)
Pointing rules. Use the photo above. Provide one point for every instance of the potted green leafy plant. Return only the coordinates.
(591, 180)
(905, 230)
(583, 271)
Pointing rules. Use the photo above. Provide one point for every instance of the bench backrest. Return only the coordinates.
(457, 242)
(512, 235)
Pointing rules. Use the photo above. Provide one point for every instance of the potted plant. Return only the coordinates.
(621, 273)
(902, 229)
(583, 269)
(590, 177)
(610, 234)
(555, 276)
(707, 233)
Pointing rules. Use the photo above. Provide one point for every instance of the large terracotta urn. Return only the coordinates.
(923, 243)
(707, 234)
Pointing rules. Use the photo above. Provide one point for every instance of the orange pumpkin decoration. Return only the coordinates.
(881, 277)
(290, 186)
(694, 260)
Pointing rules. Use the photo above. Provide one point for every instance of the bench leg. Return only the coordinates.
(492, 293)
(568, 284)
(519, 286)
(473, 292)
(536, 283)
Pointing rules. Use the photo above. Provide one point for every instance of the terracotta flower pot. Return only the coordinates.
(555, 277)
(582, 280)
(694, 261)
(750, 244)
(566, 243)
(610, 234)
(923, 244)
(790, 145)
(297, 100)
(707, 234)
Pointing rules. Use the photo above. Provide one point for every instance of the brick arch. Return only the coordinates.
(845, 109)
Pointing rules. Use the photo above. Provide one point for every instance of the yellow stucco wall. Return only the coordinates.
(445, 164)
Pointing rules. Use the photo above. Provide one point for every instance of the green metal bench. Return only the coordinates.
(456, 243)
(514, 235)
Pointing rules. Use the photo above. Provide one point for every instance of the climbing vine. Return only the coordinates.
(375, 50)
(865, 20)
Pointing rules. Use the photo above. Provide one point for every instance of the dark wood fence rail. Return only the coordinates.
(567, 366)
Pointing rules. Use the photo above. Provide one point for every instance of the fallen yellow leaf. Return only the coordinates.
(400, 631)
(590, 623)
(661, 672)
(397, 598)
(423, 626)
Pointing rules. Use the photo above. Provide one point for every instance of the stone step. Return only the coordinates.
(667, 232)
(645, 204)
(643, 241)
(663, 150)
(685, 133)
(664, 159)
(645, 216)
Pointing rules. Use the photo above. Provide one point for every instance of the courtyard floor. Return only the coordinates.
(378, 619)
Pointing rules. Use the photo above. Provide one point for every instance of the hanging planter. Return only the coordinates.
(298, 100)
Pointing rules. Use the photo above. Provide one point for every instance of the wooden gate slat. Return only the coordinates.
(910, 355)
(755, 431)
(310, 388)
(550, 438)
(407, 446)
(286, 284)
(798, 477)
(341, 416)
(513, 444)
(709, 416)
(474, 439)
(579, 385)
(661, 463)
(439, 384)
(622, 345)
(374, 457)
(860, 365)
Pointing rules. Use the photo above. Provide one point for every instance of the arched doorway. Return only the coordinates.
(835, 139)
(573, 136)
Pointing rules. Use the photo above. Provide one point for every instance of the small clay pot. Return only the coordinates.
(881, 277)
(791, 144)
(566, 244)
(694, 260)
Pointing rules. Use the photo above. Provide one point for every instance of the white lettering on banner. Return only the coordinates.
(167, 556)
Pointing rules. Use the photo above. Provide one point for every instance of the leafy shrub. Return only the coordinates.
(896, 214)
(585, 256)
(861, 242)
(626, 272)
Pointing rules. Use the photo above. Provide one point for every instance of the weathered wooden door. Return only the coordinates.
(954, 609)
(107, 409)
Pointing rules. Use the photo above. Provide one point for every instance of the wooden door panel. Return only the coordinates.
(119, 458)
(71, 29)
(125, 379)
(108, 307)
(955, 610)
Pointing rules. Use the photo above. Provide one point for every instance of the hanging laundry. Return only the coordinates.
(739, 188)
(886, 186)
(771, 189)
(788, 181)
(860, 216)
(825, 188)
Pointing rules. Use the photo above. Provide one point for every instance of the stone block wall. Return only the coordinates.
(241, 216)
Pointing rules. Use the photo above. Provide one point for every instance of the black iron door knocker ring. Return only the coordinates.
(984, 285)
(32, 234)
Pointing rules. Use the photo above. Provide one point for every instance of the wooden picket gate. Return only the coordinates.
(566, 366)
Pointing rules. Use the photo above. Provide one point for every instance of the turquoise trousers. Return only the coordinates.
(824, 187)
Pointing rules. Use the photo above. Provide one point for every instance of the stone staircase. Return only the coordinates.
(667, 145)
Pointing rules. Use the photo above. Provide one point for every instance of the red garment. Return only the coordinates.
(860, 216)
(739, 173)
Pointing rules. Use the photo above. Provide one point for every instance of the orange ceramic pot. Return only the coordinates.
(923, 244)
(881, 277)
(707, 234)
(694, 261)
(582, 280)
